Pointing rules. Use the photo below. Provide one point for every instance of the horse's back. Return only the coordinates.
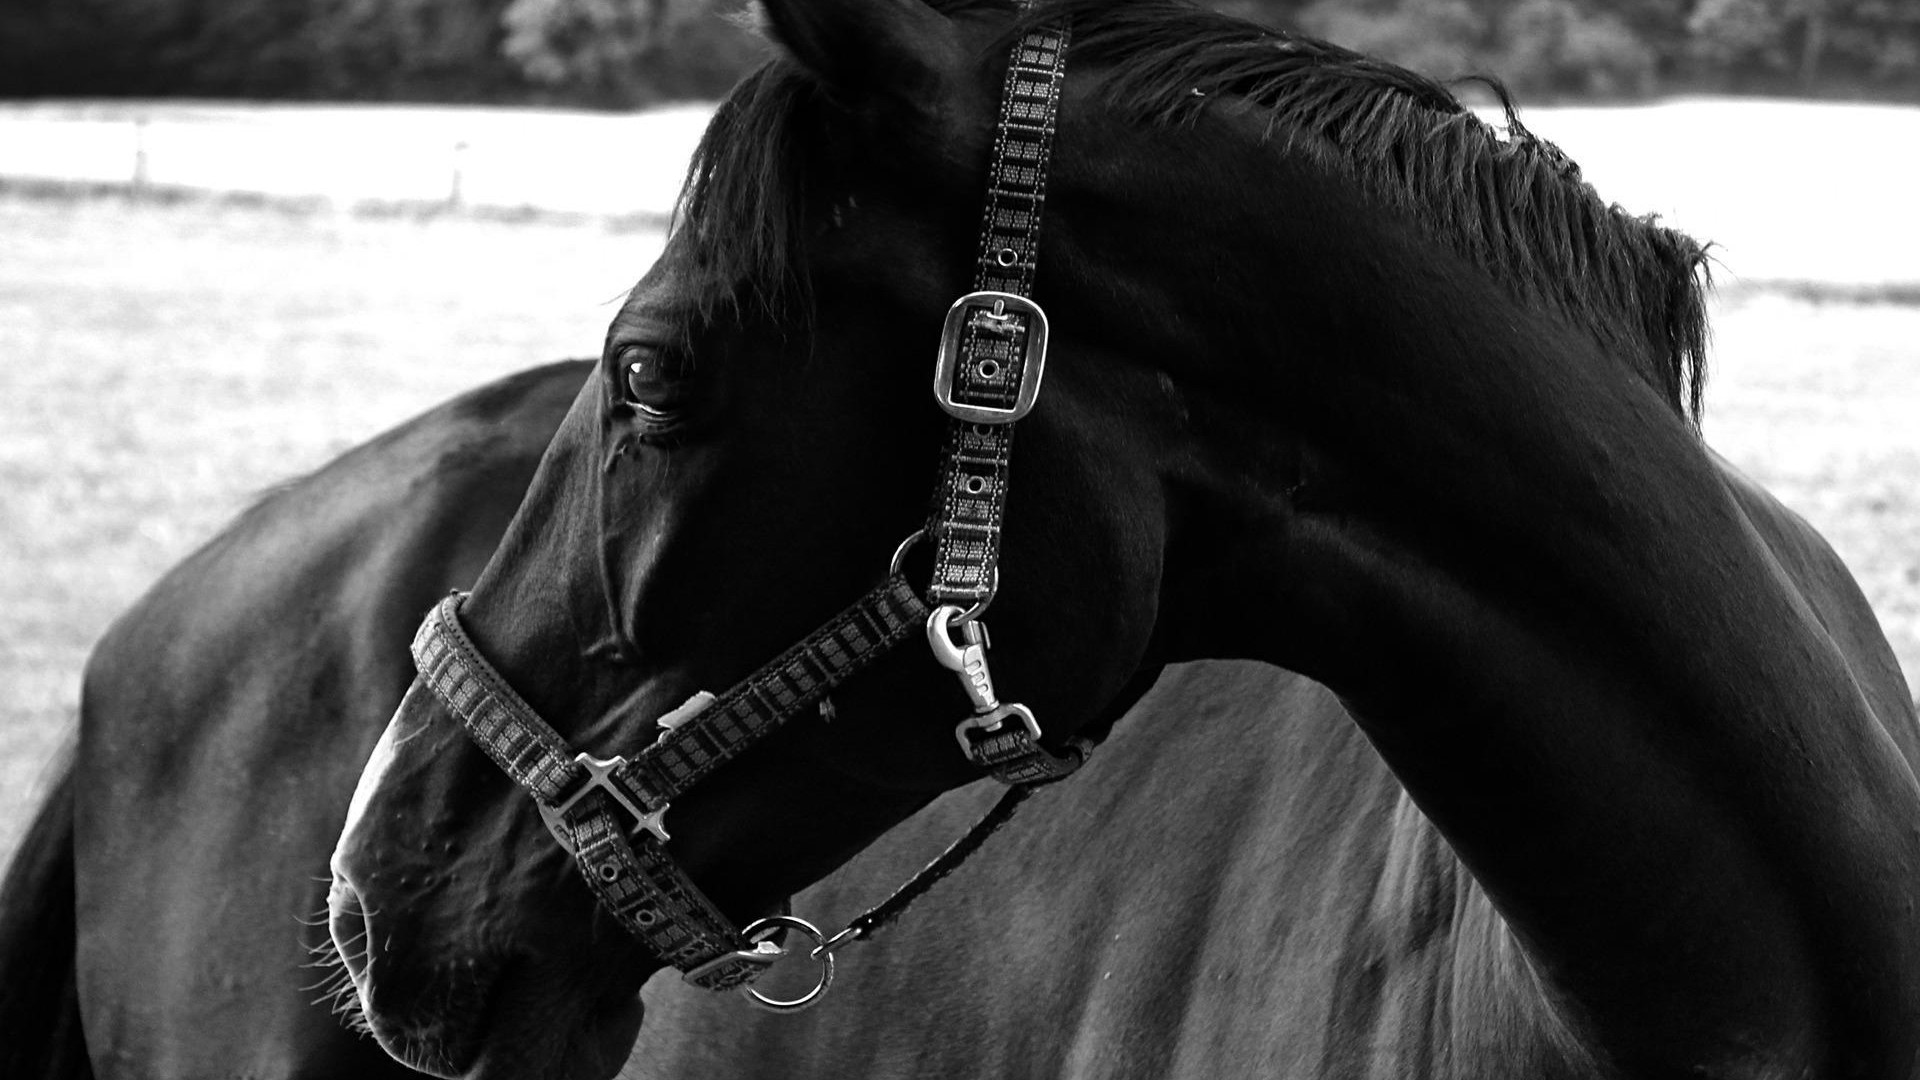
(225, 719)
(1234, 886)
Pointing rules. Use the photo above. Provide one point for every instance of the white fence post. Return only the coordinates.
(140, 156)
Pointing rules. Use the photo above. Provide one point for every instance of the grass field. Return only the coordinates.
(160, 365)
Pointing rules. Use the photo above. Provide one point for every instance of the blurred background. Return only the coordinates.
(631, 53)
(239, 236)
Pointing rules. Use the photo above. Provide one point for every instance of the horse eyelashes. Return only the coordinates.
(655, 385)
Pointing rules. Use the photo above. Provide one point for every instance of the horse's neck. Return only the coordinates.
(1806, 559)
(1631, 699)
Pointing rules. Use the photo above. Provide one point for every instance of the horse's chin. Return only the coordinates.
(525, 1036)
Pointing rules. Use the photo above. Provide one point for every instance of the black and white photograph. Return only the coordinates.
(516, 563)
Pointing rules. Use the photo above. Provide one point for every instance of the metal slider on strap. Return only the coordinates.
(600, 778)
(1004, 315)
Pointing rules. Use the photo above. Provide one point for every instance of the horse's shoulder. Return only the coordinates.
(301, 607)
(426, 498)
(225, 716)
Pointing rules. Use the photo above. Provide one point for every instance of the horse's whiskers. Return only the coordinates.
(335, 987)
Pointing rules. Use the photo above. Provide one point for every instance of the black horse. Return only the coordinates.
(1606, 768)
(1341, 380)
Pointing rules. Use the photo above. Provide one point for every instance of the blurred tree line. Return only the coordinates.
(625, 53)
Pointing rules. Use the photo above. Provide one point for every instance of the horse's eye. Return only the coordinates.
(653, 381)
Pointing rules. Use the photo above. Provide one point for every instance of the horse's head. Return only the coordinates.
(760, 439)
(756, 445)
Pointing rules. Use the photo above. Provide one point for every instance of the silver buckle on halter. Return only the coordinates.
(599, 772)
(998, 314)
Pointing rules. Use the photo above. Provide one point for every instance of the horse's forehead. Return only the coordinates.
(660, 301)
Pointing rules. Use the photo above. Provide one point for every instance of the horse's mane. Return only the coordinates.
(1514, 205)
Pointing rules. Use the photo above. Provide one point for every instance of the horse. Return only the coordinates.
(157, 901)
(1360, 832)
(411, 514)
(1336, 378)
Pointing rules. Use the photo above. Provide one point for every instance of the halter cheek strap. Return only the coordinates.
(993, 352)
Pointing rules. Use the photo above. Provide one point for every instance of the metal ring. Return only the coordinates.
(900, 553)
(965, 617)
(761, 929)
(980, 605)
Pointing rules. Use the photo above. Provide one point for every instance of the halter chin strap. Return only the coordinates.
(610, 814)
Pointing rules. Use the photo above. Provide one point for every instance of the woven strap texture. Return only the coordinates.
(971, 494)
(633, 876)
(497, 718)
(1009, 754)
(796, 679)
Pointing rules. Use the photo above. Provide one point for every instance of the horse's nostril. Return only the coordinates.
(347, 923)
(424, 1006)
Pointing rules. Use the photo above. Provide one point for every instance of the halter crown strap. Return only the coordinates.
(993, 353)
(971, 495)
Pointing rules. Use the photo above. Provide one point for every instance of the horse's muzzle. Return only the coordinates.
(426, 1013)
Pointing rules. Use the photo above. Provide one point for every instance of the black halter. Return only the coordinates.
(610, 813)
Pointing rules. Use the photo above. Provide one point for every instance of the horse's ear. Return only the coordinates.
(899, 49)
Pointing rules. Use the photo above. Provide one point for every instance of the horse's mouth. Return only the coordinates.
(484, 1019)
(440, 1029)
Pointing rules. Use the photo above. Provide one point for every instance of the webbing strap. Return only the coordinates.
(632, 874)
(647, 892)
(497, 718)
(1011, 755)
(970, 496)
(796, 679)
(881, 915)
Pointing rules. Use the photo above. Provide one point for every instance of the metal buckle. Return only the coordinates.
(599, 772)
(742, 967)
(994, 313)
(735, 970)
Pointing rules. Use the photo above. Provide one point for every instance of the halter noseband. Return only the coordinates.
(610, 813)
